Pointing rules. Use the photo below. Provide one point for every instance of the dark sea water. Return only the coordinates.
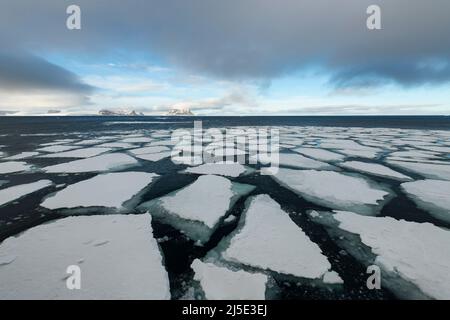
(19, 134)
(94, 123)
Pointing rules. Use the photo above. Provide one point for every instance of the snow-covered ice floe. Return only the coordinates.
(268, 239)
(105, 162)
(154, 156)
(335, 190)
(117, 254)
(22, 155)
(148, 149)
(78, 153)
(430, 195)
(198, 208)
(221, 283)
(427, 170)
(320, 154)
(414, 257)
(222, 169)
(14, 166)
(110, 190)
(57, 148)
(16, 192)
(375, 169)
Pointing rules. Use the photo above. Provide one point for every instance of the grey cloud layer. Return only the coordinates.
(19, 70)
(251, 39)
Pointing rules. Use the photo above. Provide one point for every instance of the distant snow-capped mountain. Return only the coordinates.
(120, 112)
(180, 112)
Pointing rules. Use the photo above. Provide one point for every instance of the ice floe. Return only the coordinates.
(375, 169)
(117, 255)
(14, 166)
(414, 257)
(430, 195)
(198, 208)
(154, 156)
(221, 283)
(105, 162)
(320, 154)
(427, 170)
(16, 192)
(78, 153)
(57, 148)
(222, 169)
(22, 155)
(269, 240)
(109, 190)
(149, 149)
(334, 190)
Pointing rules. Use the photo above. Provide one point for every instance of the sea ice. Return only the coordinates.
(105, 162)
(57, 148)
(198, 208)
(221, 169)
(414, 257)
(127, 266)
(268, 239)
(427, 170)
(78, 153)
(13, 167)
(16, 192)
(154, 156)
(149, 149)
(320, 154)
(22, 155)
(375, 169)
(430, 195)
(333, 189)
(109, 190)
(221, 283)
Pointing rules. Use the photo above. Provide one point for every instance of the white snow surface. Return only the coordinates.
(105, 162)
(375, 169)
(287, 250)
(16, 192)
(13, 167)
(222, 169)
(333, 189)
(221, 283)
(117, 254)
(109, 190)
(417, 252)
(430, 195)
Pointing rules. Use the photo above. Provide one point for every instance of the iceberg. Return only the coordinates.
(150, 149)
(110, 190)
(197, 208)
(117, 255)
(334, 189)
(16, 192)
(105, 162)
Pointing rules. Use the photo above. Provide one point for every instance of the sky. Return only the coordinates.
(225, 57)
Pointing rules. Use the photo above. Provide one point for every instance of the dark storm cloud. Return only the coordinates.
(20, 70)
(251, 39)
